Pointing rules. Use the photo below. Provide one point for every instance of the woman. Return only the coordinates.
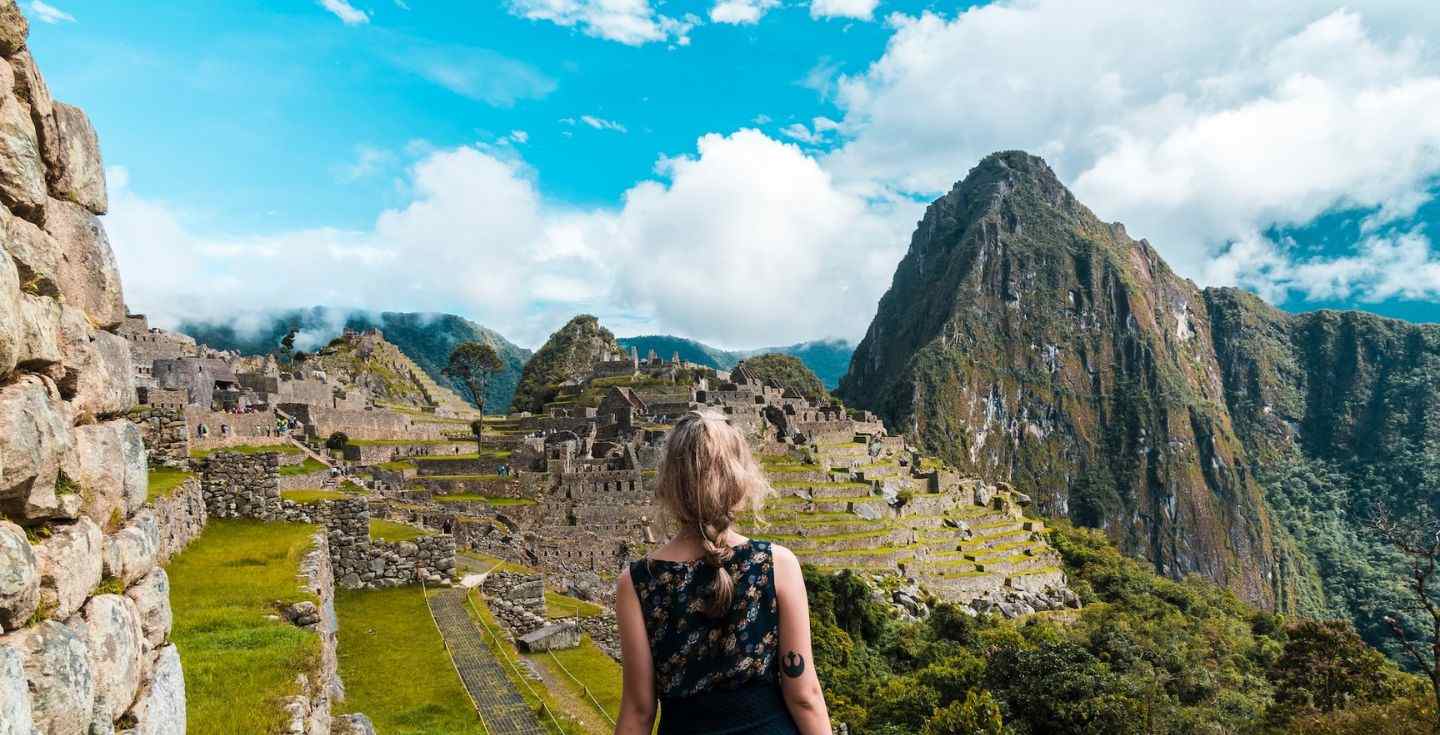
(715, 626)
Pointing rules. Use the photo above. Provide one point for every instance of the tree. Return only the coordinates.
(1417, 538)
(337, 441)
(1326, 666)
(474, 364)
(977, 714)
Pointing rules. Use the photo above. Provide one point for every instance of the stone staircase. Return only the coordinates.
(842, 508)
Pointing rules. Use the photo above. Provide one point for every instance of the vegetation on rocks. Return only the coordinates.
(789, 371)
(568, 353)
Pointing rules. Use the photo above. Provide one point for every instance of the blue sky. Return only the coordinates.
(745, 172)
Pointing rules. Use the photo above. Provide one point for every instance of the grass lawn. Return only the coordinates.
(238, 663)
(396, 466)
(475, 498)
(247, 449)
(395, 667)
(565, 606)
(164, 480)
(591, 668)
(308, 496)
(383, 530)
(304, 468)
(487, 563)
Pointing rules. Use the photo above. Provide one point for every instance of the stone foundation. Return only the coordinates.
(310, 710)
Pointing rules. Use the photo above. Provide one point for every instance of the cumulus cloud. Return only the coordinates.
(746, 242)
(857, 9)
(347, 13)
(1196, 123)
(741, 12)
(631, 22)
(817, 134)
(46, 13)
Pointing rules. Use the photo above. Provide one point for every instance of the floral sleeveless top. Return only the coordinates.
(694, 653)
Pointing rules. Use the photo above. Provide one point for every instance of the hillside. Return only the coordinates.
(566, 355)
(1025, 340)
(828, 359)
(427, 339)
(789, 371)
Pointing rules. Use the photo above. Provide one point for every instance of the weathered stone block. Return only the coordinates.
(13, 28)
(15, 715)
(130, 554)
(160, 708)
(62, 684)
(552, 637)
(22, 177)
(108, 464)
(151, 596)
(19, 577)
(115, 641)
(40, 338)
(80, 174)
(11, 326)
(36, 426)
(88, 277)
(99, 376)
(70, 564)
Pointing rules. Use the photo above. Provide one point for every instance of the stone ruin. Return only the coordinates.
(84, 606)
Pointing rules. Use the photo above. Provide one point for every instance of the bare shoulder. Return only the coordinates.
(784, 556)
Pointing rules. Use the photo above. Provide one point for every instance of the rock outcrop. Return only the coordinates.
(568, 354)
(84, 610)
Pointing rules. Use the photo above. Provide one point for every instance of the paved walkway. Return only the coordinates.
(504, 711)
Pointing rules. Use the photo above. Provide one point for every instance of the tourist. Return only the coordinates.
(715, 627)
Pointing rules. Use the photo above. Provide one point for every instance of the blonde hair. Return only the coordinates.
(707, 477)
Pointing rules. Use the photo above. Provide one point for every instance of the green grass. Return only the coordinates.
(383, 530)
(475, 478)
(350, 487)
(310, 465)
(493, 563)
(238, 662)
(594, 671)
(475, 498)
(565, 606)
(397, 466)
(409, 688)
(164, 481)
(308, 496)
(247, 449)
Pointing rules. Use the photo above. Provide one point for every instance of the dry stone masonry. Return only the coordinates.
(84, 606)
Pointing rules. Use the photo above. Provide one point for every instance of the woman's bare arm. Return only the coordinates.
(637, 698)
(797, 667)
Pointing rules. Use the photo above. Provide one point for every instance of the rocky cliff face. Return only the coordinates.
(1025, 340)
(84, 608)
(568, 353)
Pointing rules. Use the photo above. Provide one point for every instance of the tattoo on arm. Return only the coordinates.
(793, 665)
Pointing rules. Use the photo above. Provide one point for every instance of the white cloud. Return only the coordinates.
(1196, 123)
(401, 4)
(369, 160)
(817, 134)
(46, 13)
(473, 72)
(857, 9)
(519, 136)
(1403, 265)
(748, 242)
(631, 22)
(347, 13)
(741, 12)
(600, 123)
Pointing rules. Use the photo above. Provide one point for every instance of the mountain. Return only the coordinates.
(427, 339)
(828, 359)
(568, 353)
(789, 371)
(1026, 340)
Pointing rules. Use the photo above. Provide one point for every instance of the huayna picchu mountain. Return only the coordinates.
(1026, 340)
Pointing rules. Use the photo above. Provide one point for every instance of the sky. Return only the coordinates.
(743, 172)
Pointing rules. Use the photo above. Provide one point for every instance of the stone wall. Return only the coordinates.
(224, 429)
(242, 485)
(163, 430)
(361, 424)
(181, 517)
(361, 562)
(319, 689)
(84, 608)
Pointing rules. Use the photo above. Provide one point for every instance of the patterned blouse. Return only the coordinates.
(694, 653)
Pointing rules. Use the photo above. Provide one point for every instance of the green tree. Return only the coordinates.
(1327, 666)
(474, 364)
(1417, 537)
(337, 441)
(977, 714)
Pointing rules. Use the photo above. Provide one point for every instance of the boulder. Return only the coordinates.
(15, 715)
(99, 376)
(36, 426)
(30, 86)
(87, 277)
(552, 637)
(79, 175)
(983, 493)
(62, 684)
(160, 708)
(40, 333)
(151, 596)
(70, 564)
(353, 724)
(35, 253)
(11, 324)
(131, 553)
(19, 577)
(109, 463)
(13, 28)
(22, 175)
(115, 641)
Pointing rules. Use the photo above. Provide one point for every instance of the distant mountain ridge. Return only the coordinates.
(827, 358)
(426, 338)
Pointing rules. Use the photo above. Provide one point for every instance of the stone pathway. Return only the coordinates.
(502, 708)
